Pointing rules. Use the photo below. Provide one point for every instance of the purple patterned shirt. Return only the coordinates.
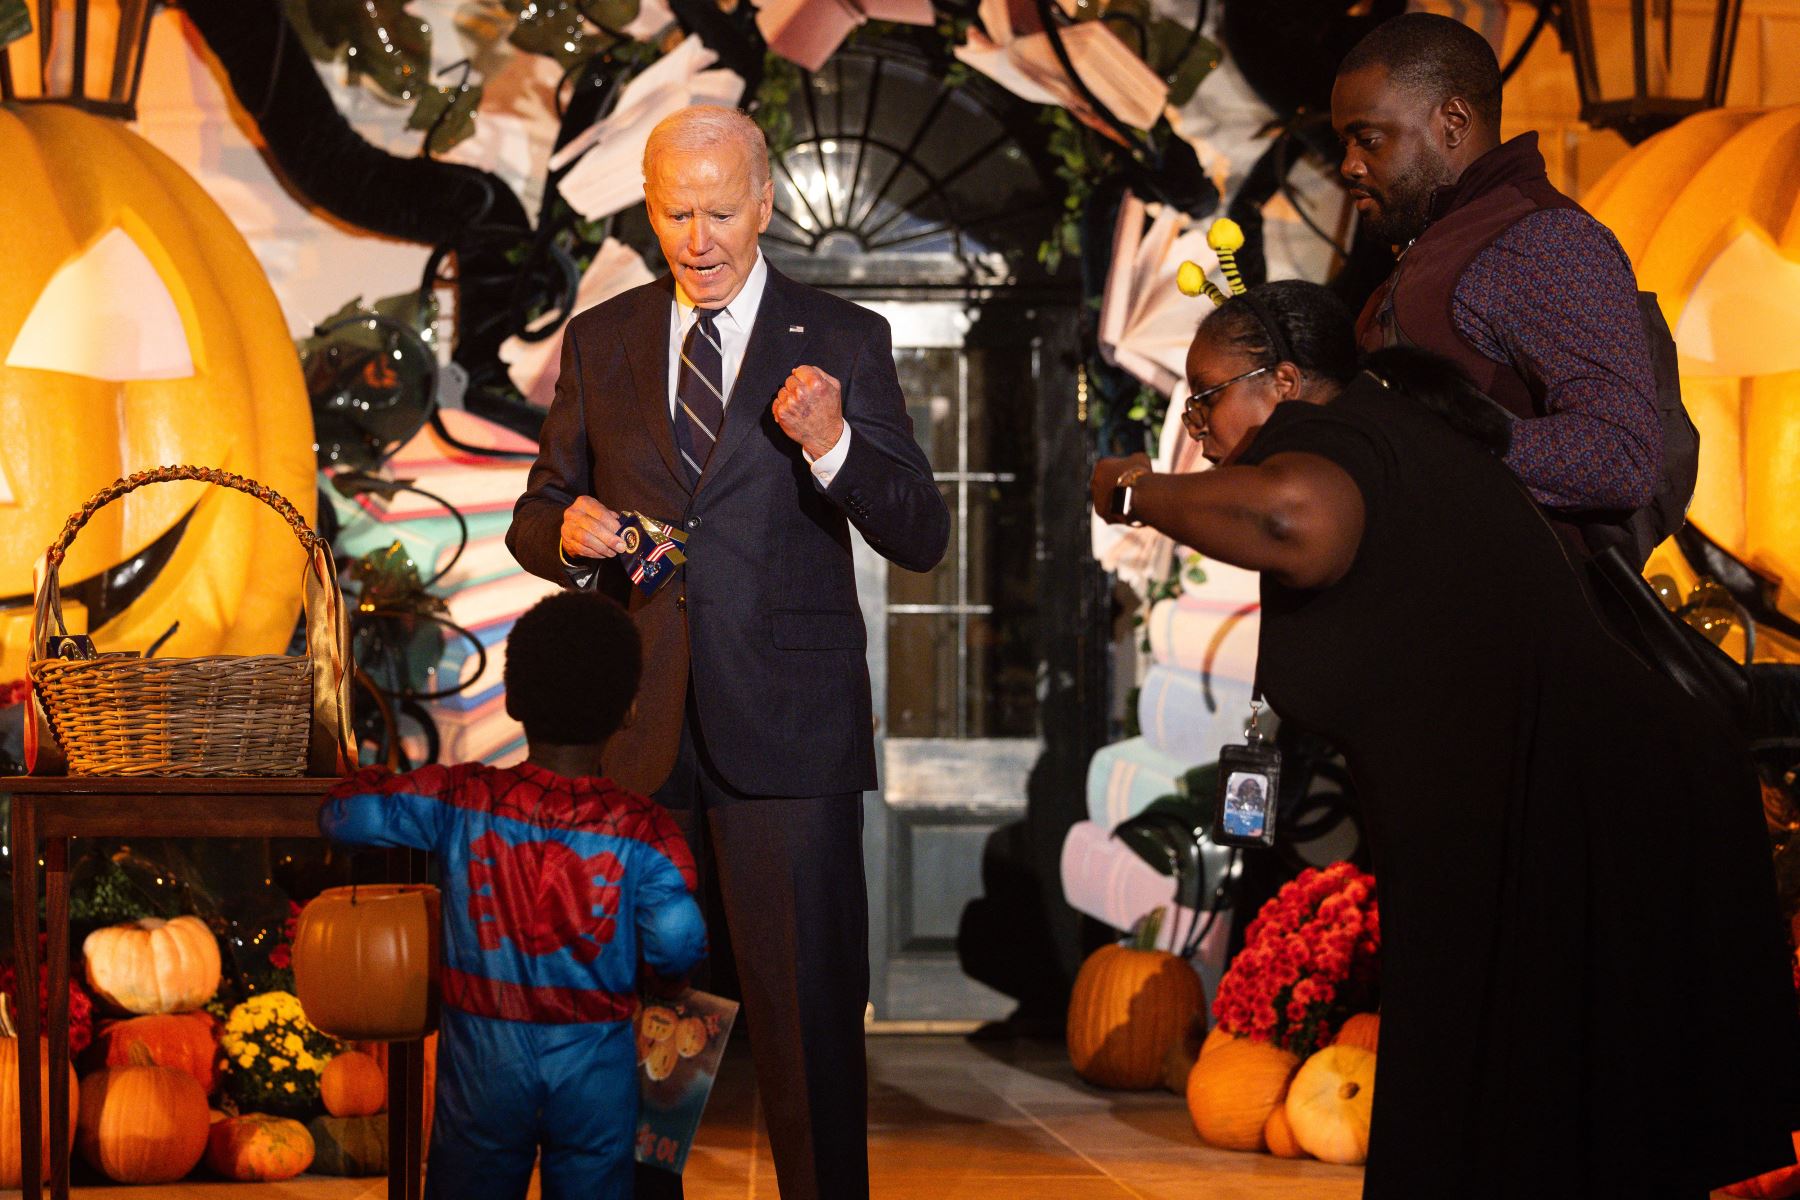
(1554, 297)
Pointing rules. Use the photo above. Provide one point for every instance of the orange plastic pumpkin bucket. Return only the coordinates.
(366, 961)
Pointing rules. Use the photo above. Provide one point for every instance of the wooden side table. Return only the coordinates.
(46, 812)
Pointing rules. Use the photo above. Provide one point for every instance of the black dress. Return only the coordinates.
(1585, 990)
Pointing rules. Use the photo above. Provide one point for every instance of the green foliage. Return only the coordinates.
(377, 38)
(390, 580)
(15, 21)
(557, 28)
(114, 893)
(1082, 160)
(446, 115)
(771, 109)
(1188, 60)
(1166, 588)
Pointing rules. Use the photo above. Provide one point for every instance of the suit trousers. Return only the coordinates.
(795, 907)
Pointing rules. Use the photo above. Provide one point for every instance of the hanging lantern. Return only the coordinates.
(87, 53)
(1651, 81)
(366, 962)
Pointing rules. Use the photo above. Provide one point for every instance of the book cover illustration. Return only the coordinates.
(679, 1045)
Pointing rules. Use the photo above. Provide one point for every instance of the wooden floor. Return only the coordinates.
(950, 1119)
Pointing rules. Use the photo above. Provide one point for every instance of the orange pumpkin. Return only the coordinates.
(1280, 1136)
(353, 1085)
(186, 1041)
(259, 1149)
(142, 1123)
(133, 310)
(1235, 1086)
(11, 1147)
(1131, 1003)
(153, 966)
(366, 962)
(1362, 1030)
(1329, 1102)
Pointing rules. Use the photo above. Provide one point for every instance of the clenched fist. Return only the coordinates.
(810, 409)
(590, 530)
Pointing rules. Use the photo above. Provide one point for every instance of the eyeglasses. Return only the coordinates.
(1196, 402)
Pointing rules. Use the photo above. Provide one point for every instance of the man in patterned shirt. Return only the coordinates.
(556, 884)
(1498, 270)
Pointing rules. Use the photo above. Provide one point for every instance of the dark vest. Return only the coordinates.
(1413, 307)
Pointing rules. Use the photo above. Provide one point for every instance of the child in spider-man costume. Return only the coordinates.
(556, 883)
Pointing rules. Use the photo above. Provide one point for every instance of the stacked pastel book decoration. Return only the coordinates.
(1195, 698)
(485, 591)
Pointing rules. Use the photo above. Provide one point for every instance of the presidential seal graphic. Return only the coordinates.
(631, 538)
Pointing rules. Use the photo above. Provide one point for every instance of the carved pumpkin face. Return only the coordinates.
(137, 329)
(1710, 214)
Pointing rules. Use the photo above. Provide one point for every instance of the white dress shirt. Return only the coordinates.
(735, 321)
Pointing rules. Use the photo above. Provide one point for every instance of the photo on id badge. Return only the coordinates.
(1246, 804)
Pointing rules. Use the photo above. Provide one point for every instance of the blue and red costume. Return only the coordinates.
(553, 890)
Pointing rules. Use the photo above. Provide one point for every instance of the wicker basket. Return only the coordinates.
(220, 715)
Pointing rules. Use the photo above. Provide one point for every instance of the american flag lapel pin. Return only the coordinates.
(796, 329)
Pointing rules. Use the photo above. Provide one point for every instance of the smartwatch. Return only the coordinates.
(1121, 498)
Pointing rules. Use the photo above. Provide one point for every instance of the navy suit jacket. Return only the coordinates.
(764, 619)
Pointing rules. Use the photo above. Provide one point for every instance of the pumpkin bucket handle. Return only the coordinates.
(331, 749)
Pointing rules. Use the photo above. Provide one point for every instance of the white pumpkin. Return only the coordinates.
(153, 966)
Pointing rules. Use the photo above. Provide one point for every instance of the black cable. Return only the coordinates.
(438, 427)
(1282, 166)
(1531, 36)
(1196, 937)
(1133, 139)
(405, 693)
(462, 85)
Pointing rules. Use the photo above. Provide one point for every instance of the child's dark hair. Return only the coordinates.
(1290, 320)
(572, 667)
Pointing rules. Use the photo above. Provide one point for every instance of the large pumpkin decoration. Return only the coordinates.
(1329, 1102)
(1710, 217)
(11, 1146)
(353, 1085)
(1130, 1005)
(1236, 1084)
(142, 1123)
(153, 966)
(259, 1149)
(366, 961)
(186, 1041)
(137, 329)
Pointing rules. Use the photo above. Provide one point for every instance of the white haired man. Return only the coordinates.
(762, 419)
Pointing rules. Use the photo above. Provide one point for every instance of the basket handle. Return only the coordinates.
(49, 590)
(327, 632)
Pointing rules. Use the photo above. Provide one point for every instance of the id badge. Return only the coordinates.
(1249, 785)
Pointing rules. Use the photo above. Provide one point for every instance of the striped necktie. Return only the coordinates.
(700, 392)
